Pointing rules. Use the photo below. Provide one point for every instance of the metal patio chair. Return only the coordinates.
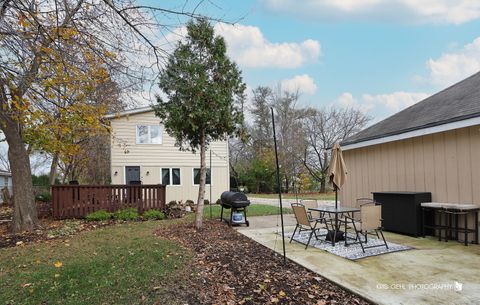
(370, 223)
(305, 222)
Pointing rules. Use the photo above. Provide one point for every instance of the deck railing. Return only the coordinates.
(76, 201)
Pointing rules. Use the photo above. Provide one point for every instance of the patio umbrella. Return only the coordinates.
(337, 171)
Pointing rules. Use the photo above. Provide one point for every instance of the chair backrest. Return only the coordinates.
(364, 201)
(301, 214)
(311, 203)
(371, 217)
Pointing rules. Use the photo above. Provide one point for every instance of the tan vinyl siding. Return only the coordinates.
(152, 157)
(446, 164)
(125, 151)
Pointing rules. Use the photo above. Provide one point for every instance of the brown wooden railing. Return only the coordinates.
(76, 201)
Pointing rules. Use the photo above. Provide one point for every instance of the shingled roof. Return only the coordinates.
(456, 103)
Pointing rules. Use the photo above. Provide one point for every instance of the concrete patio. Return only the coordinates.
(431, 273)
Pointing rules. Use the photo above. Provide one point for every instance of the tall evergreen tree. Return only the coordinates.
(204, 89)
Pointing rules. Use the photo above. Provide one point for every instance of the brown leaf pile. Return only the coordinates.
(230, 268)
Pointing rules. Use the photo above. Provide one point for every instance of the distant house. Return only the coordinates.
(142, 152)
(5, 182)
(432, 146)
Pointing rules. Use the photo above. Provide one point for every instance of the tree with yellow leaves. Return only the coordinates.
(55, 55)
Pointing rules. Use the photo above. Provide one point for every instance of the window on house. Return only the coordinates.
(149, 134)
(196, 176)
(166, 176)
(171, 176)
(175, 176)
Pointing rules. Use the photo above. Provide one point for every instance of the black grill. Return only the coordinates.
(236, 201)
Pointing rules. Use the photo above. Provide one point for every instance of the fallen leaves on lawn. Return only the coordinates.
(230, 268)
(58, 264)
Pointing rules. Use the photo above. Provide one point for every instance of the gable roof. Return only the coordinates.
(129, 112)
(459, 102)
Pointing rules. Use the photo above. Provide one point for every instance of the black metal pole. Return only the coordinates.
(279, 186)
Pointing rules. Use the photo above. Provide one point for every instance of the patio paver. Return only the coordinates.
(424, 275)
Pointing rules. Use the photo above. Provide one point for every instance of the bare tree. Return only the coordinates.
(322, 129)
(289, 116)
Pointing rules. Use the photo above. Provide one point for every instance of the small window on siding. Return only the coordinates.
(149, 134)
(175, 176)
(166, 176)
(171, 176)
(196, 176)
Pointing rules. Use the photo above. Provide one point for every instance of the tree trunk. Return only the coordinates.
(201, 189)
(287, 184)
(53, 169)
(24, 208)
(323, 184)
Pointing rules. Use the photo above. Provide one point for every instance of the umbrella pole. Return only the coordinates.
(336, 197)
(279, 187)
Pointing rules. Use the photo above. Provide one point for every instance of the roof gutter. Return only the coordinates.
(415, 133)
(129, 112)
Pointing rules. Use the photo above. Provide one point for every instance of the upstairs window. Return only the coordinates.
(149, 134)
(196, 176)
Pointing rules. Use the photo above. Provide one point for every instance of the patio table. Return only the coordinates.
(336, 211)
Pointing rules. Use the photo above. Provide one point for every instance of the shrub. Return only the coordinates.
(99, 216)
(44, 197)
(206, 202)
(153, 214)
(126, 214)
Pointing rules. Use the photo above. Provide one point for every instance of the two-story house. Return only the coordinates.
(142, 152)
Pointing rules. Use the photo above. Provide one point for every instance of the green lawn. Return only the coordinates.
(318, 196)
(121, 264)
(252, 210)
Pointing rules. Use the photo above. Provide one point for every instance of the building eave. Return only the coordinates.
(129, 112)
(415, 133)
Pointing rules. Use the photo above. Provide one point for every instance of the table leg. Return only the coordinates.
(456, 227)
(476, 227)
(423, 222)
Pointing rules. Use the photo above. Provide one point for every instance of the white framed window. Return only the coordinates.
(170, 176)
(149, 134)
(196, 176)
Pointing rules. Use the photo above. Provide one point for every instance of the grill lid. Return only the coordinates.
(234, 198)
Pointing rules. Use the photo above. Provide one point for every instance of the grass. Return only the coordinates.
(121, 264)
(252, 210)
(318, 196)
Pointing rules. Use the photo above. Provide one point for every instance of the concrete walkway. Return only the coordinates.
(432, 273)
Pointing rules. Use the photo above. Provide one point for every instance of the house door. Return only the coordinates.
(132, 174)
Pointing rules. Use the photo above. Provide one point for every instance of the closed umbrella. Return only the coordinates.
(337, 171)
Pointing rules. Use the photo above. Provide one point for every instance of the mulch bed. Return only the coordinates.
(230, 268)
